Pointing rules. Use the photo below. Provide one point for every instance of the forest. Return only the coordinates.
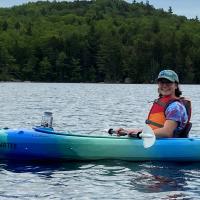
(109, 41)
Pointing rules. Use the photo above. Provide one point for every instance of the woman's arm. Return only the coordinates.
(167, 130)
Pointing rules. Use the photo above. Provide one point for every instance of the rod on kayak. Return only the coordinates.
(147, 135)
(85, 130)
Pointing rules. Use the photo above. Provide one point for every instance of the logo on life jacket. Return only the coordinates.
(156, 117)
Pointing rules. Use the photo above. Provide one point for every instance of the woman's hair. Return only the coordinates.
(178, 92)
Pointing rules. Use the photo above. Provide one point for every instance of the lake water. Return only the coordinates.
(92, 108)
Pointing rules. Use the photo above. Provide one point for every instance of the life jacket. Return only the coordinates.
(157, 118)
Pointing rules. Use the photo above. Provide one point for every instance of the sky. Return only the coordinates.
(188, 8)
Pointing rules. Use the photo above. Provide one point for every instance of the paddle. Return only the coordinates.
(147, 135)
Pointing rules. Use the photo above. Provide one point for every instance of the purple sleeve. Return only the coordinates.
(177, 112)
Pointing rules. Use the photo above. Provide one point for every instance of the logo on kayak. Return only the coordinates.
(8, 145)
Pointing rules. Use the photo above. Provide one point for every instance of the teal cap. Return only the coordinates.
(169, 75)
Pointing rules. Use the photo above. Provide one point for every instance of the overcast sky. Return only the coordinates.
(188, 8)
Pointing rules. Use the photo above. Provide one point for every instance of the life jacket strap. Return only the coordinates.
(153, 123)
(160, 103)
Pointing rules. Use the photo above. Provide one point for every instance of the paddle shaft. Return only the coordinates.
(111, 132)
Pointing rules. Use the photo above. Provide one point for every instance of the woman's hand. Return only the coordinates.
(134, 132)
(121, 131)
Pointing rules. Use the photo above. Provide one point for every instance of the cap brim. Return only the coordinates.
(161, 77)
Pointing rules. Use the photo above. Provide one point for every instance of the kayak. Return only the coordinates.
(41, 143)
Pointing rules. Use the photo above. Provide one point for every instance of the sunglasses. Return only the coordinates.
(165, 81)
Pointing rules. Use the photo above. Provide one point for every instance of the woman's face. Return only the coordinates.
(166, 87)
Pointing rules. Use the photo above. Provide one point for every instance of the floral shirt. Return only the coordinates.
(177, 112)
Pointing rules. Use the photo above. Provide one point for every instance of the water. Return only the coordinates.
(91, 108)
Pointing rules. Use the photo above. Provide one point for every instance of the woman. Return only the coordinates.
(170, 113)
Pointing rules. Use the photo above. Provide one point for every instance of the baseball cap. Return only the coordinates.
(169, 75)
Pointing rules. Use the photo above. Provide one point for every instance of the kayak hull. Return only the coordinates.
(41, 144)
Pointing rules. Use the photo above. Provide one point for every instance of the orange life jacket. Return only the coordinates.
(156, 117)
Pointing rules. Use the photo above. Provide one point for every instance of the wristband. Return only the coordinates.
(138, 135)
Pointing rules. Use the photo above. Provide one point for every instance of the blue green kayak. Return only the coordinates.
(45, 144)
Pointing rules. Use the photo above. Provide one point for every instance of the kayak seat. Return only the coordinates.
(185, 132)
(187, 129)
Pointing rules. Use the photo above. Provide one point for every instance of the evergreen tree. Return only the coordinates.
(170, 10)
(5, 26)
(61, 65)
(45, 70)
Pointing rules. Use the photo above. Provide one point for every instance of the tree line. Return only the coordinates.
(96, 41)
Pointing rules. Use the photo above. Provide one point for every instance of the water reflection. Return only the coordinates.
(145, 177)
(160, 177)
(37, 167)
